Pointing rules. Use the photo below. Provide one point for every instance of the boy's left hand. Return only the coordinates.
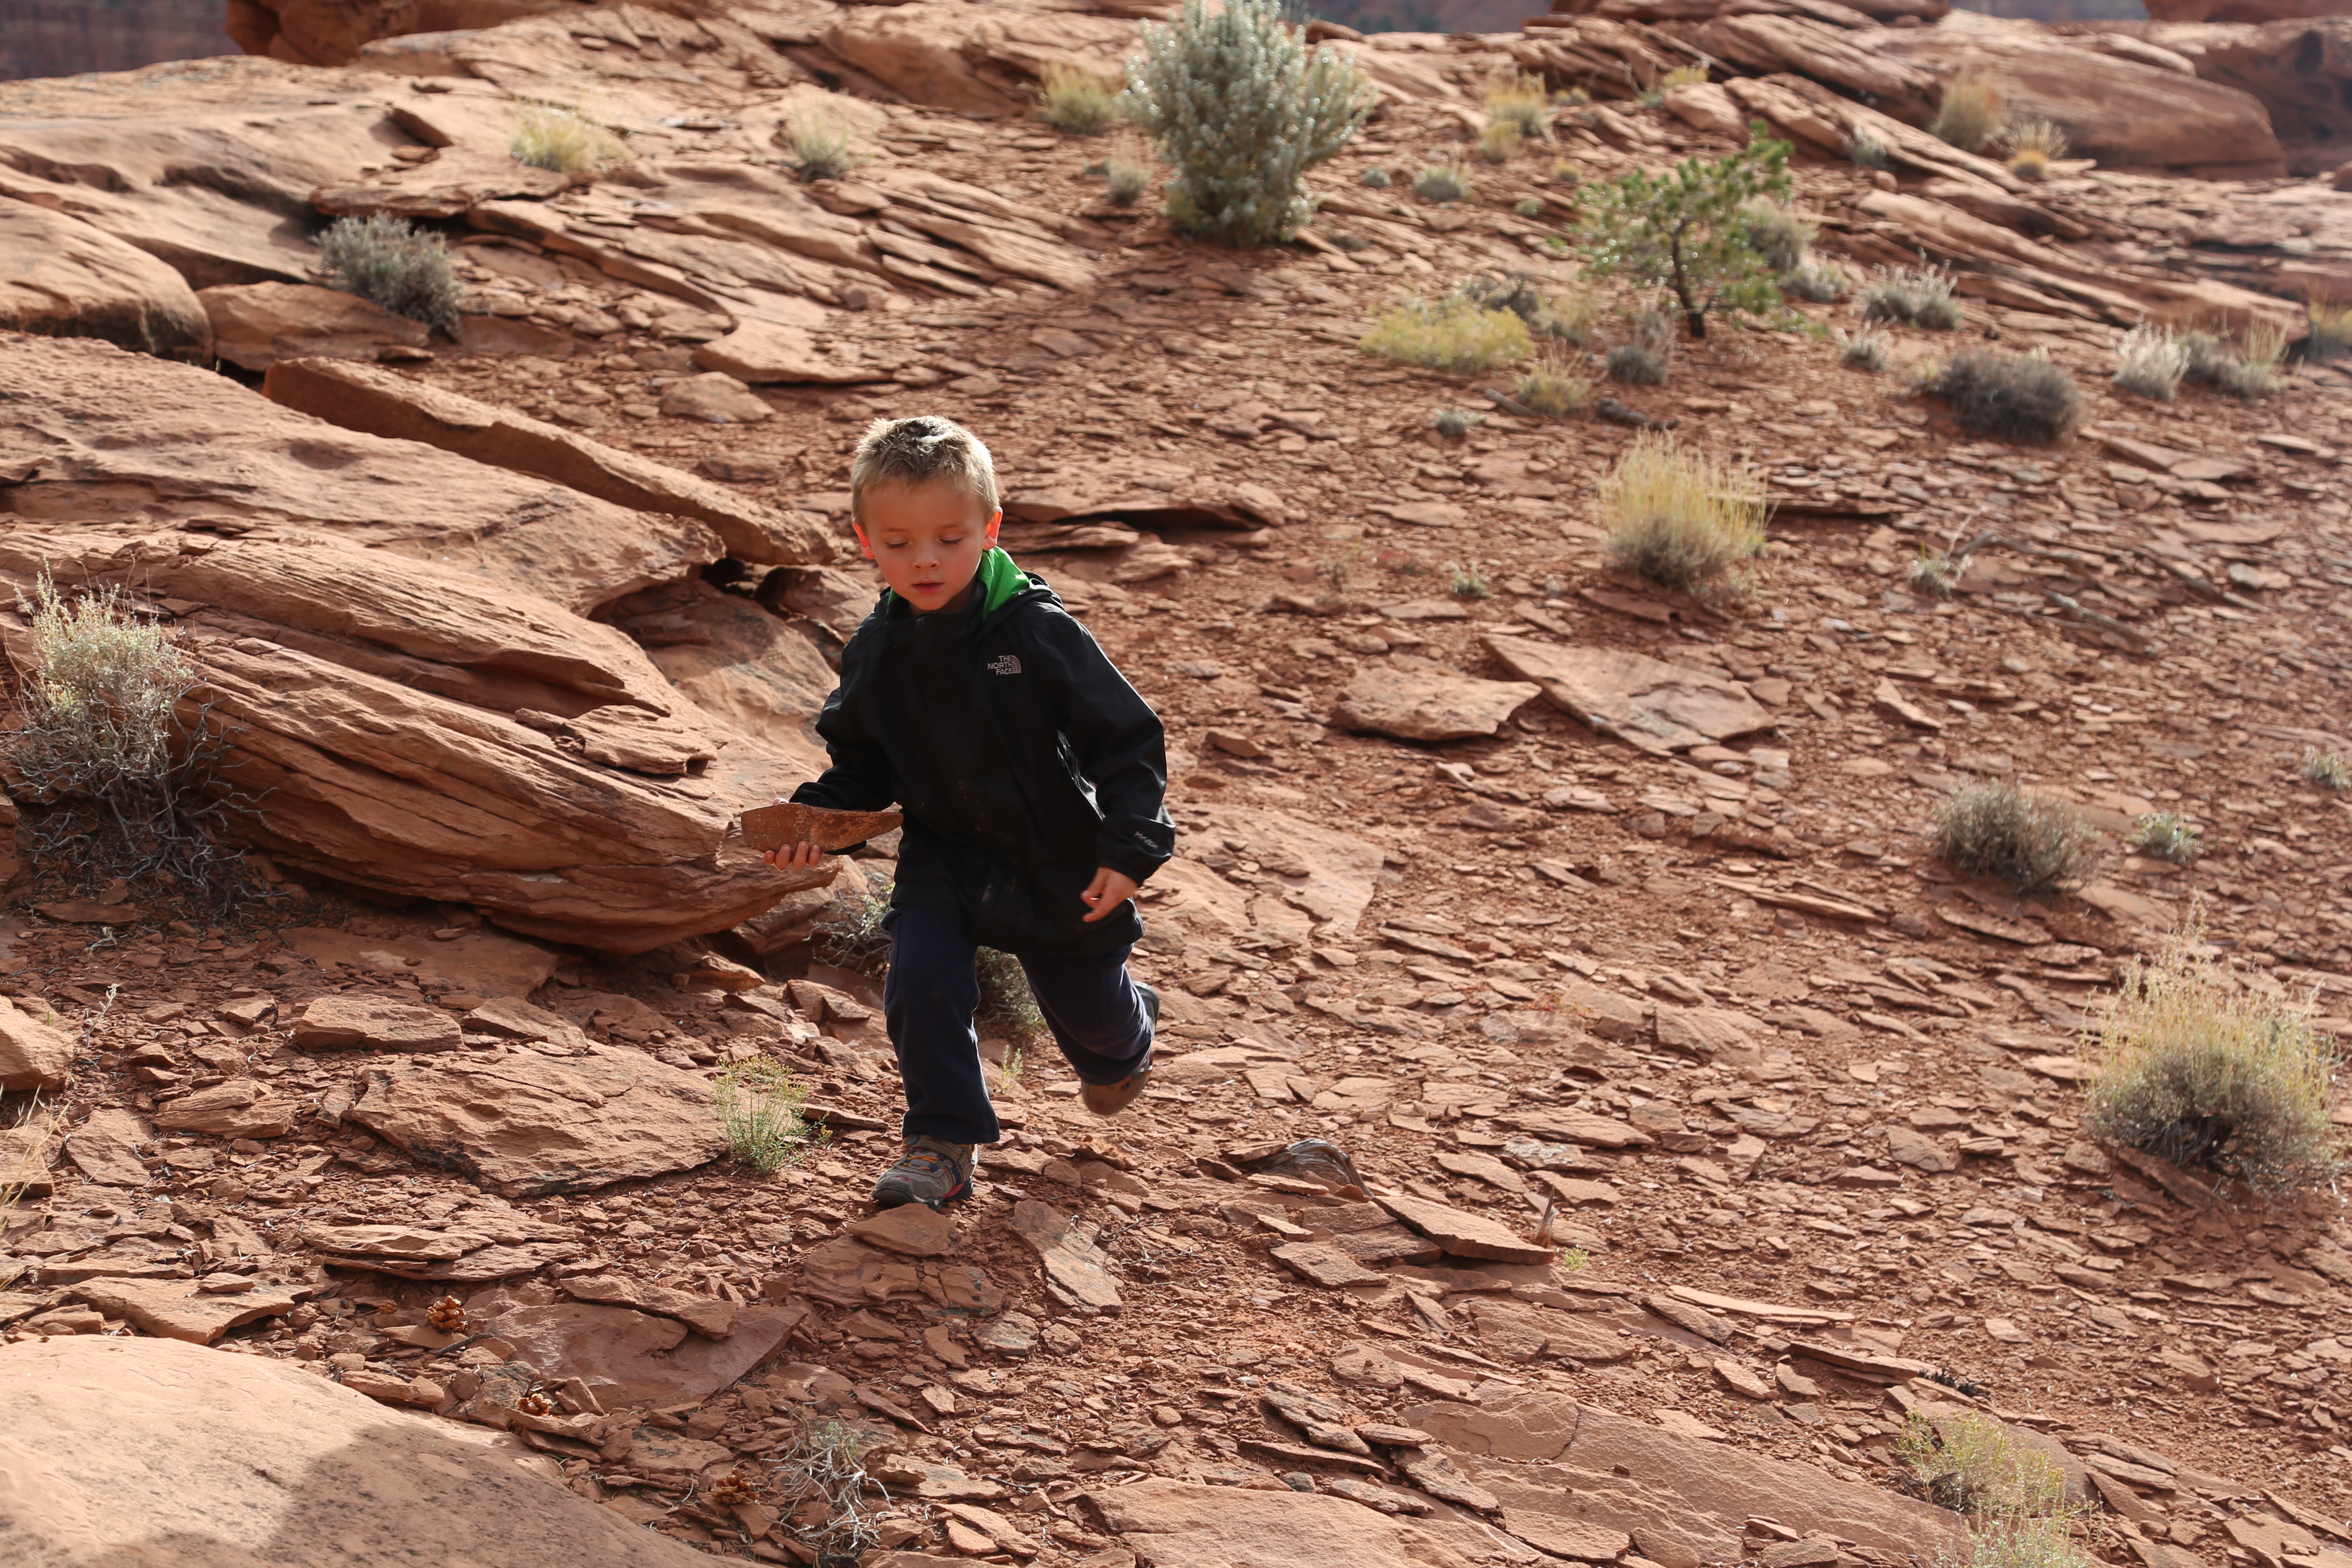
(1107, 892)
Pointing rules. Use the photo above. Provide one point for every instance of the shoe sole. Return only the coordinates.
(893, 1197)
(1116, 1096)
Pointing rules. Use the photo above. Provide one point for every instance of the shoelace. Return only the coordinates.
(927, 1162)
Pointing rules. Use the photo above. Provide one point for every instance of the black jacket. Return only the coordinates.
(1021, 759)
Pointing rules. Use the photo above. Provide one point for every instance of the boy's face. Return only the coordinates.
(927, 539)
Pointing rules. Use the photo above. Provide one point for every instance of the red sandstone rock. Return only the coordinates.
(62, 278)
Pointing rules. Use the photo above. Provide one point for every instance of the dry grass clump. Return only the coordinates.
(824, 148)
(1552, 388)
(1865, 350)
(38, 1123)
(1680, 517)
(101, 744)
(1378, 178)
(2249, 369)
(1455, 334)
(1648, 352)
(2331, 329)
(2031, 841)
(1500, 140)
(392, 263)
(2168, 836)
(1682, 76)
(1866, 152)
(1932, 574)
(1779, 235)
(2326, 769)
(1972, 115)
(2195, 1068)
(2150, 362)
(1442, 184)
(2033, 146)
(760, 1105)
(1075, 103)
(1915, 297)
(553, 136)
(1520, 101)
(2023, 397)
(1127, 173)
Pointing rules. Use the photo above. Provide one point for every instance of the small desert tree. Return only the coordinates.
(1241, 111)
(1688, 231)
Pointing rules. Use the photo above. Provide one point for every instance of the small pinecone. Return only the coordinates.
(448, 1314)
(733, 1487)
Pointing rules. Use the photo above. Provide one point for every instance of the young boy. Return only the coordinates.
(1030, 773)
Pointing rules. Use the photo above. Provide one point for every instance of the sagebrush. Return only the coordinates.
(1780, 235)
(554, 136)
(1241, 111)
(1913, 297)
(2168, 836)
(2331, 329)
(1865, 350)
(1442, 183)
(2196, 1069)
(392, 263)
(2150, 362)
(2001, 829)
(1648, 352)
(2024, 397)
(1975, 1465)
(115, 745)
(823, 147)
(1455, 334)
(1680, 517)
(1552, 388)
(2326, 769)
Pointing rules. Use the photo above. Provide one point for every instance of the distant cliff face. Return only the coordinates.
(66, 38)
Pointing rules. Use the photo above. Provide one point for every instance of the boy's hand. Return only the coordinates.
(801, 856)
(1107, 892)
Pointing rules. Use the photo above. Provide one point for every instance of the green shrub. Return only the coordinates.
(1455, 423)
(1379, 178)
(1819, 282)
(1973, 113)
(1975, 1465)
(2326, 769)
(1241, 111)
(2031, 841)
(2194, 1068)
(2249, 374)
(1455, 334)
(1551, 388)
(823, 147)
(2150, 362)
(1528, 208)
(2022, 398)
(123, 778)
(1075, 103)
(1866, 152)
(1912, 296)
(1681, 518)
(2168, 836)
(1645, 357)
(550, 136)
(760, 1105)
(1465, 582)
(1685, 232)
(1442, 184)
(389, 261)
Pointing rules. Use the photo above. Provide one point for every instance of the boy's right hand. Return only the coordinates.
(801, 856)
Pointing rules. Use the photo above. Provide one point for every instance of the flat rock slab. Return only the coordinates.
(34, 1055)
(1076, 1271)
(705, 1315)
(479, 963)
(1465, 1235)
(628, 1357)
(178, 1309)
(254, 325)
(1645, 703)
(1695, 1491)
(237, 1109)
(105, 1149)
(1322, 1263)
(1428, 705)
(65, 278)
(528, 1125)
(911, 1230)
(123, 1450)
(349, 1022)
(1182, 1523)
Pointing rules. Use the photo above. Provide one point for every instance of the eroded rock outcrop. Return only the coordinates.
(60, 277)
(405, 726)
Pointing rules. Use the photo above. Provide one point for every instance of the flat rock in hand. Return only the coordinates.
(789, 822)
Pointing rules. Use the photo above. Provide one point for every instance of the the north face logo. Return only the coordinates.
(1007, 665)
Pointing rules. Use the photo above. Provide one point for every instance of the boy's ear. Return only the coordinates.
(995, 522)
(865, 547)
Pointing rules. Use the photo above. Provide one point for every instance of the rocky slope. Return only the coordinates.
(1562, 899)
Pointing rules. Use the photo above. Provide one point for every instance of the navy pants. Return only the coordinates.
(1094, 1010)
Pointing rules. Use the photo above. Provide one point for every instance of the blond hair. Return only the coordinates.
(918, 451)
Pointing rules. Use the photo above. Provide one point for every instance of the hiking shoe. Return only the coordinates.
(1110, 1098)
(931, 1172)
